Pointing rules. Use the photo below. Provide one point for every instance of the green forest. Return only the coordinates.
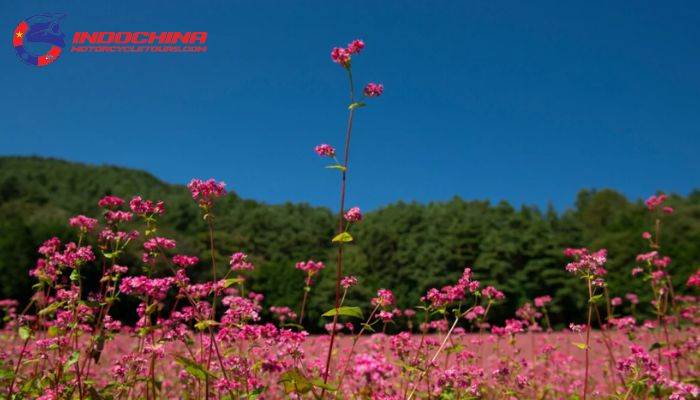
(405, 247)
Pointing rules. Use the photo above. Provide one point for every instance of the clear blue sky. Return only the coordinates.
(522, 101)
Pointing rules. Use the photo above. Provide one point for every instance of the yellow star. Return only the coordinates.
(19, 34)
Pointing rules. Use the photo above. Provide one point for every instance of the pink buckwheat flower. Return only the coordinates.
(373, 90)
(348, 282)
(310, 267)
(542, 300)
(646, 235)
(654, 201)
(206, 192)
(184, 261)
(113, 217)
(385, 298)
(141, 207)
(355, 46)
(341, 56)
(325, 150)
(385, 316)
(110, 202)
(238, 262)
(83, 223)
(354, 215)
(694, 279)
(159, 242)
(616, 301)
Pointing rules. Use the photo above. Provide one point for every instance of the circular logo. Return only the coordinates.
(35, 35)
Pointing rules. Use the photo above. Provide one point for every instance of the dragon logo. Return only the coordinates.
(39, 30)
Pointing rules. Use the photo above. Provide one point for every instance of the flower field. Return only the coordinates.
(214, 340)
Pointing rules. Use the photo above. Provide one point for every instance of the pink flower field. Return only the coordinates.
(215, 340)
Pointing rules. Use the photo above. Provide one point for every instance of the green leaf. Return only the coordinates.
(232, 281)
(295, 382)
(340, 167)
(343, 237)
(202, 325)
(359, 104)
(193, 368)
(152, 308)
(405, 366)
(319, 383)
(368, 327)
(292, 325)
(581, 346)
(111, 255)
(347, 311)
(75, 276)
(51, 308)
(71, 360)
(24, 332)
(595, 299)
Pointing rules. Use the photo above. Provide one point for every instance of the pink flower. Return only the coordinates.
(325, 150)
(542, 300)
(238, 262)
(206, 192)
(668, 210)
(385, 298)
(633, 298)
(310, 267)
(110, 202)
(493, 293)
(156, 243)
(354, 214)
(355, 46)
(84, 223)
(385, 316)
(694, 280)
(373, 90)
(184, 261)
(341, 56)
(655, 201)
(646, 235)
(140, 207)
(113, 217)
(616, 301)
(348, 282)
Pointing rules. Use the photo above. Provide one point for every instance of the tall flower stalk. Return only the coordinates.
(343, 57)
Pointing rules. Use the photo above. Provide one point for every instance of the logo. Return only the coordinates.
(38, 40)
(39, 32)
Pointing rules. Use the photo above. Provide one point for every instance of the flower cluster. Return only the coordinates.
(342, 55)
(373, 90)
(354, 214)
(238, 262)
(140, 207)
(325, 150)
(206, 192)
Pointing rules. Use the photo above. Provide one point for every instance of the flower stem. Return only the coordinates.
(588, 337)
(340, 230)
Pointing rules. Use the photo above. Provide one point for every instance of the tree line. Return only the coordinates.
(405, 247)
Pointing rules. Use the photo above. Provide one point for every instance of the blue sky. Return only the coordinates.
(487, 100)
